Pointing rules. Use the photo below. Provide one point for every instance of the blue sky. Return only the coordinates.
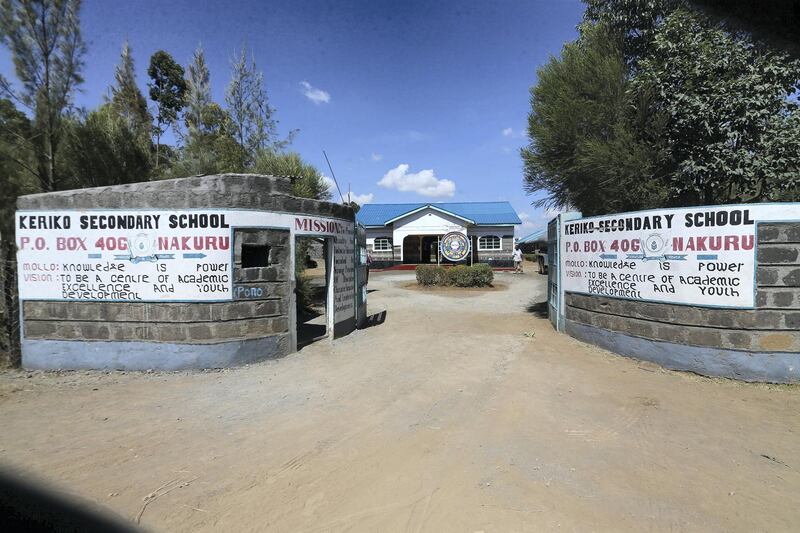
(440, 88)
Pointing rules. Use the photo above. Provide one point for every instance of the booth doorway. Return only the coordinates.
(313, 284)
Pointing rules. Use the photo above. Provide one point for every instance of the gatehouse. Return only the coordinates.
(713, 290)
(197, 272)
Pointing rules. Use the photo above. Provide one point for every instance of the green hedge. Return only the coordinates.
(479, 275)
(431, 275)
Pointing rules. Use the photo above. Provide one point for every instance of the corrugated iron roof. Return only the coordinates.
(483, 213)
(540, 235)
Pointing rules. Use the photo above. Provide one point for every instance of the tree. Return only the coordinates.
(777, 22)
(198, 93)
(632, 22)
(17, 163)
(209, 147)
(46, 46)
(733, 129)
(588, 148)
(308, 181)
(674, 109)
(167, 90)
(128, 101)
(101, 149)
(253, 125)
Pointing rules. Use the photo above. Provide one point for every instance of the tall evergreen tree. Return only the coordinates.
(198, 92)
(253, 124)
(127, 100)
(45, 42)
(587, 149)
(17, 164)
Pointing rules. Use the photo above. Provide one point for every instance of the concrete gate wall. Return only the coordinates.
(758, 344)
(173, 335)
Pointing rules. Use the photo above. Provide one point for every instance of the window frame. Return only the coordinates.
(387, 240)
(482, 243)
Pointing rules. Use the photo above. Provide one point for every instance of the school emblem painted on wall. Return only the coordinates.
(455, 246)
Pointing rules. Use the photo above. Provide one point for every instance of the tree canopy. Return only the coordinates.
(48, 144)
(47, 49)
(657, 104)
(167, 90)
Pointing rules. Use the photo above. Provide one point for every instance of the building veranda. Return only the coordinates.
(410, 233)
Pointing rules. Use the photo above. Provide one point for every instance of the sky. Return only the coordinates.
(412, 101)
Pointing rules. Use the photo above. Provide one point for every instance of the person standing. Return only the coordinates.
(517, 260)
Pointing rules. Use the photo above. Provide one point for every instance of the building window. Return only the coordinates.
(490, 242)
(382, 244)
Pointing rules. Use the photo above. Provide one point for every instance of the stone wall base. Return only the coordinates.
(772, 367)
(135, 355)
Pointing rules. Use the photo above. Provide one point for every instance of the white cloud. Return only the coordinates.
(377, 157)
(527, 224)
(330, 185)
(361, 199)
(318, 96)
(508, 132)
(424, 182)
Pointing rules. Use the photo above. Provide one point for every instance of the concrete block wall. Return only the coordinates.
(256, 323)
(384, 259)
(753, 344)
(498, 258)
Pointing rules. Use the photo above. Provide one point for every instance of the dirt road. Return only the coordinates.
(461, 412)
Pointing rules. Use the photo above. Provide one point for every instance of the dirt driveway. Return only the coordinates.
(461, 412)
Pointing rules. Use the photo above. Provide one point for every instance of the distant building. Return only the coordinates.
(410, 233)
(533, 242)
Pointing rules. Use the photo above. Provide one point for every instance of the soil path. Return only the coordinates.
(461, 412)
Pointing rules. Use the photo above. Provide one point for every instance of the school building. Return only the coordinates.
(410, 233)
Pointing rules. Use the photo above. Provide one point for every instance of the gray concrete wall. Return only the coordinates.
(497, 257)
(753, 344)
(142, 335)
(231, 191)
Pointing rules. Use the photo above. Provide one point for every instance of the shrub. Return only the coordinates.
(460, 276)
(304, 292)
(479, 275)
(431, 275)
(482, 275)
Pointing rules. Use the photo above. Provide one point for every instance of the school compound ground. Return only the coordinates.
(462, 411)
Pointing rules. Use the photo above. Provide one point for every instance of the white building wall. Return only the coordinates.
(500, 231)
(426, 222)
(432, 222)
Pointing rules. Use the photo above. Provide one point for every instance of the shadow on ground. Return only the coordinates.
(538, 309)
(375, 320)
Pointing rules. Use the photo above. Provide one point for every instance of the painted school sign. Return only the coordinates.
(702, 256)
(157, 255)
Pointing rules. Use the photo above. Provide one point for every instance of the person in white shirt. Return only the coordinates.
(517, 260)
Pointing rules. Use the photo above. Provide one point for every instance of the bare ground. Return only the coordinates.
(459, 413)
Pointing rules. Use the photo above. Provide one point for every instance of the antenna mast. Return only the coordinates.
(333, 175)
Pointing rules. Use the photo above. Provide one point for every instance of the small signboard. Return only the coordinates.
(455, 246)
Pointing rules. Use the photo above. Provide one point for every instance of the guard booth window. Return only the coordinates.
(255, 255)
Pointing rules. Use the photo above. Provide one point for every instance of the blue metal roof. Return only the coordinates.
(540, 235)
(483, 213)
